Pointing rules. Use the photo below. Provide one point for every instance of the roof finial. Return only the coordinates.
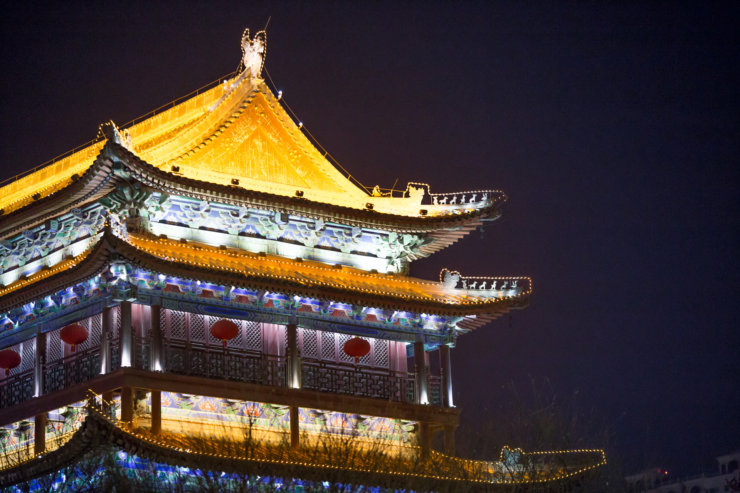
(253, 52)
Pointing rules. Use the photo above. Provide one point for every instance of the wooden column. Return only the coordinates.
(294, 358)
(39, 441)
(127, 403)
(420, 368)
(39, 365)
(127, 335)
(105, 336)
(155, 359)
(445, 366)
(294, 428)
(425, 438)
(156, 411)
(449, 436)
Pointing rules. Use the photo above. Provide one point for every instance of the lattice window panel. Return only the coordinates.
(197, 328)
(176, 327)
(238, 341)
(380, 353)
(28, 354)
(54, 347)
(308, 343)
(342, 356)
(85, 322)
(253, 336)
(208, 321)
(328, 346)
(96, 329)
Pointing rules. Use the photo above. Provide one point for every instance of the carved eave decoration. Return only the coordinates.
(117, 166)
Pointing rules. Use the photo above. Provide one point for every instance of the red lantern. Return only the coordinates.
(224, 330)
(357, 348)
(9, 359)
(73, 335)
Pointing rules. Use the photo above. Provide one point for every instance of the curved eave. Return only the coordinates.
(204, 136)
(99, 180)
(434, 471)
(235, 195)
(111, 247)
(95, 183)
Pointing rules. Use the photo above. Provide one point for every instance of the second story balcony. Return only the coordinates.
(171, 342)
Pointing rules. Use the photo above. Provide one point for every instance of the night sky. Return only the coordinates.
(613, 129)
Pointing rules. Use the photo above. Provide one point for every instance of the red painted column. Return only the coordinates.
(127, 404)
(294, 428)
(39, 368)
(294, 358)
(420, 367)
(105, 337)
(39, 442)
(126, 336)
(156, 362)
(156, 412)
(445, 365)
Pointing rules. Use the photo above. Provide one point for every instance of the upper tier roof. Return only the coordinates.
(238, 133)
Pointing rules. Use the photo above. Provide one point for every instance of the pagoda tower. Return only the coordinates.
(208, 269)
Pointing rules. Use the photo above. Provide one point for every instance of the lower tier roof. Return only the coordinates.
(361, 463)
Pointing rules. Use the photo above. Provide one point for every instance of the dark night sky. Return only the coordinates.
(613, 129)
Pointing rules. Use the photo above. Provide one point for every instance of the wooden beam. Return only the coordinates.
(168, 382)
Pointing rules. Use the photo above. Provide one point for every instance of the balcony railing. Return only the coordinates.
(239, 366)
(142, 352)
(16, 389)
(344, 378)
(75, 368)
(434, 388)
(183, 358)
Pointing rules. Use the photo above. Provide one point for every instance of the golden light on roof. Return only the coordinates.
(308, 273)
(237, 133)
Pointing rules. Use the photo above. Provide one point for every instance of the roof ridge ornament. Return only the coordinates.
(253, 52)
(110, 131)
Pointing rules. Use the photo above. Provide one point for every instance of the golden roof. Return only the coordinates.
(304, 272)
(234, 130)
(237, 133)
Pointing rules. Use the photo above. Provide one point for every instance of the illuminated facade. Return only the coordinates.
(208, 272)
